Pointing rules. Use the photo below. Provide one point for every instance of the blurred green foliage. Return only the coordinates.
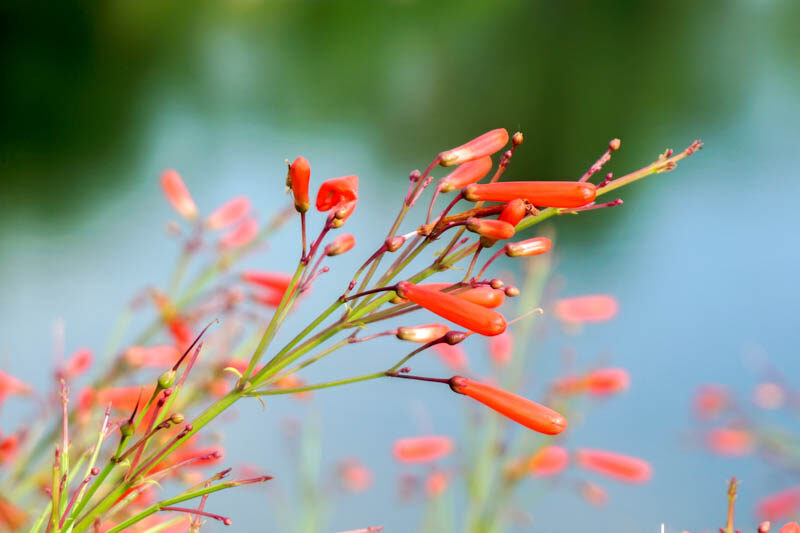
(81, 80)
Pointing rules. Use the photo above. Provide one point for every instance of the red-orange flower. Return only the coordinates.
(500, 348)
(78, 363)
(422, 449)
(436, 483)
(710, 400)
(178, 195)
(522, 410)
(299, 176)
(615, 465)
(514, 211)
(452, 355)
(482, 295)
(780, 504)
(336, 192)
(548, 461)
(341, 244)
(535, 246)
(278, 281)
(490, 229)
(354, 476)
(466, 174)
(730, 442)
(606, 381)
(241, 235)
(791, 527)
(229, 213)
(539, 193)
(423, 334)
(10, 385)
(8, 448)
(590, 308)
(487, 144)
(152, 357)
(464, 313)
(11, 516)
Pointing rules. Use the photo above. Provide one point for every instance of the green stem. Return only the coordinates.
(325, 385)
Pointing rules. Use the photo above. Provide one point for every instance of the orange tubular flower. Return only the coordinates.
(730, 442)
(336, 191)
(781, 504)
(423, 334)
(11, 516)
(341, 244)
(422, 449)
(615, 465)
(462, 312)
(564, 194)
(78, 363)
(436, 483)
(466, 174)
(592, 308)
(791, 527)
(548, 461)
(278, 281)
(535, 246)
(605, 381)
(10, 385)
(530, 414)
(229, 213)
(151, 357)
(483, 295)
(178, 195)
(491, 229)
(297, 180)
(240, 236)
(487, 144)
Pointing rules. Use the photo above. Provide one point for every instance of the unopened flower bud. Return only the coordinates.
(394, 243)
(491, 229)
(126, 429)
(423, 334)
(535, 246)
(497, 283)
(341, 244)
(454, 337)
(177, 418)
(511, 291)
(614, 145)
(517, 138)
(297, 179)
(487, 144)
(466, 174)
(167, 379)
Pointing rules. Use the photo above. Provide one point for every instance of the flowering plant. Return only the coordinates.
(88, 484)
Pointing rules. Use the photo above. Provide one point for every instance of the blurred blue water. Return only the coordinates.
(703, 264)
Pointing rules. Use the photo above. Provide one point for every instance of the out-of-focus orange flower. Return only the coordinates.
(11, 516)
(464, 313)
(549, 461)
(590, 308)
(482, 146)
(422, 449)
(769, 396)
(161, 356)
(10, 385)
(605, 381)
(293, 381)
(501, 347)
(594, 494)
(615, 465)
(354, 476)
(178, 195)
(730, 442)
(564, 194)
(122, 398)
(229, 213)
(78, 363)
(297, 180)
(436, 483)
(452, 356)
(782, 504)
(791, 527)
(8, 448)
(522, 410)
(710, 400)
(241, 235)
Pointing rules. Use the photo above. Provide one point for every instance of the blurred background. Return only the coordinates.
(98, 98)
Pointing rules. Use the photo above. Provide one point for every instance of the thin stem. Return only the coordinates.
(325, 385)
(497, 254)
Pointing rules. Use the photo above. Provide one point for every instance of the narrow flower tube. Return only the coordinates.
(483, 295)
(615, 465)
(491, 229)
(337, 191)
(297, 180)
(464, 313)
(422, 449)
(341, 244)
(423, 334)
(466, 174)
(590, 308)
(178, 195)
(539, 193)
(530, 414)
(241, 235)
(487, 144)
(229, 213)
(528, 247)
(730, 442)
